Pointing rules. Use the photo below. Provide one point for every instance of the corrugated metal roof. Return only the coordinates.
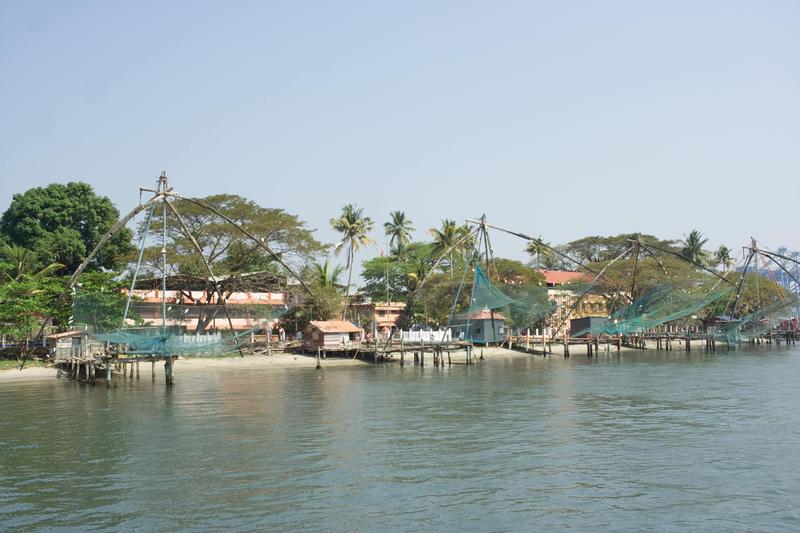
(335, 326)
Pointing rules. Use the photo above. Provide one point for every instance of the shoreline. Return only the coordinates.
(198, 364)
(288, 361)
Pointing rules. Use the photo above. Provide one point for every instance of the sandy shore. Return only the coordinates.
(195, 364)
(33, 373)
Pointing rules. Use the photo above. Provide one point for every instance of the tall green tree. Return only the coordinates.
(616, 282)
(693, 247)
(446, 240)
(325, 301)
(723, 257)
(354, 227)
(597, 249)
(399, 229)
(223, 246)
(400, 272)
(62, 223)
(27, 302)
(538, 249)
(238, 263)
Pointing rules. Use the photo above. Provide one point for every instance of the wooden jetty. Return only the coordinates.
(88, 364)
(401, 351)
(660, 340)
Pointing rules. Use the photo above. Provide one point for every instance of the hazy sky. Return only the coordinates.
(554, 118)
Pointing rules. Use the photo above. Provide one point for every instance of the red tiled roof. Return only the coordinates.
(559, 277)
(335, 326)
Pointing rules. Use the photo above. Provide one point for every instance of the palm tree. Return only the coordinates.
(446, 238)
(692, 249)
(538, 248)
(723, 257)
(399, 228)
(353, 226)
(23, 263)
(325, 275)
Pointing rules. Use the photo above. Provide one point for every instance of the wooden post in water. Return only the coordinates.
(153, 368)
(319, 350)
(169, 370)
(108, 372)
(137, 369)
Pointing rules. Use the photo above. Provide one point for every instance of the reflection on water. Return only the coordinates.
(668, 441)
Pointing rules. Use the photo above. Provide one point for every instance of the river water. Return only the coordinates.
(658, 441)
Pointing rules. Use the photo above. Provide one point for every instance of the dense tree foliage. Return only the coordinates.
(62, 223)
(224, 247)
(598, 249)
(398, 273)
